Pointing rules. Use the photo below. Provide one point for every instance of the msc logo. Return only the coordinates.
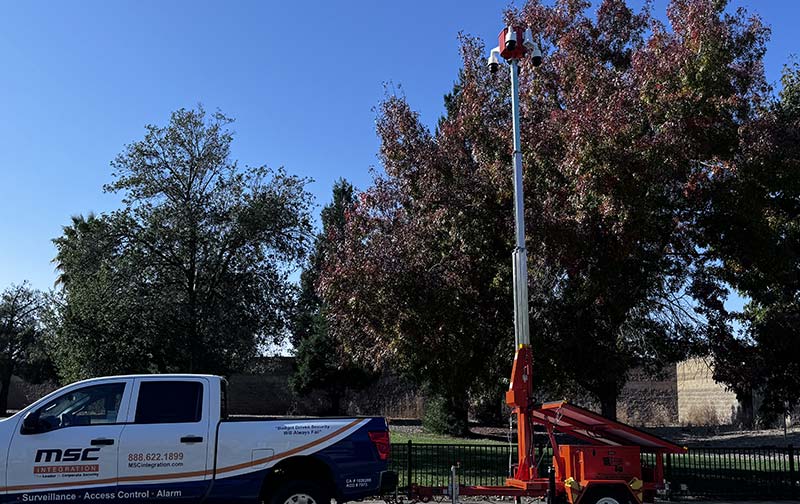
(68, 455)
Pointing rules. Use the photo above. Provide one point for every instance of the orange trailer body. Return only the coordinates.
(584, 463)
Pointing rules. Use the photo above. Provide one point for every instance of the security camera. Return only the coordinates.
(494, 62)
(527, 39)
(536, 55)
(511, 38)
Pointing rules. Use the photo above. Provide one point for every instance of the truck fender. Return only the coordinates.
(305, 468)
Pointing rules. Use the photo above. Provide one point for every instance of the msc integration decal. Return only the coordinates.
(56, 458)
(155, 460)
(90, 496)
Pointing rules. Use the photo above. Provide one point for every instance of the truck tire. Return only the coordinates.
(300, 492)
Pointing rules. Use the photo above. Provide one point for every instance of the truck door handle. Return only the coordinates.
(192, 439)
(102, 442)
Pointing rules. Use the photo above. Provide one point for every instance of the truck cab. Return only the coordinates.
(168, 437)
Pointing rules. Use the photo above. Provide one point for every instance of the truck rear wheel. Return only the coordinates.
(300, 492)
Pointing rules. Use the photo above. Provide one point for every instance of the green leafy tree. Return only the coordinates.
(619, 124)
(23, 350)
(751, 235)
(320, 363)
(192, 274)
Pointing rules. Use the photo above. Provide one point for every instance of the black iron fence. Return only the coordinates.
(767, 472)
(743, 473)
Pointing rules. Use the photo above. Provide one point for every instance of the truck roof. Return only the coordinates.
(158, 375)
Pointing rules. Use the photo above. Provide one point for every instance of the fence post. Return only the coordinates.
(669, 466)
(792, 474)
(408, 469)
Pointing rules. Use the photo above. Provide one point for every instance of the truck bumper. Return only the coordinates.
(388, 482)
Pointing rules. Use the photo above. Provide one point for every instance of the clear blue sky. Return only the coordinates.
(80, 79)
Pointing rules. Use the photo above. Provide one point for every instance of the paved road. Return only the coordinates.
(534, 501)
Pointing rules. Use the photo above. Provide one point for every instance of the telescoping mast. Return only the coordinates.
(604, 466)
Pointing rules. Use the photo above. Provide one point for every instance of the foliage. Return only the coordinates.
(22, 343)
(309, 303)
(618, 126)
(191, 275)
(751, 232)
(444, 417)
(320, 363)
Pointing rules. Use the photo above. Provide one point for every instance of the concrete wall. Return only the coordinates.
(701, 400)
(685, 394)
(648, 400)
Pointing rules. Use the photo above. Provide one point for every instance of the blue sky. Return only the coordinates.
(80, 79)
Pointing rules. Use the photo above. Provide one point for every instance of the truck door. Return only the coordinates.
(69, 444)
(164, 446)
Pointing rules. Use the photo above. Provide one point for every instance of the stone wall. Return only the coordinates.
(649, 400)
(701, 400)
(22, 393)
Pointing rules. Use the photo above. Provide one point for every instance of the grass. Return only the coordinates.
(425, 438)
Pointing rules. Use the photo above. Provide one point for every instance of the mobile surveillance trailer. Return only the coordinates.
(607, 469)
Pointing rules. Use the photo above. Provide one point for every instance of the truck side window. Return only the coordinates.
(223, 396)
(169, 402)
(96, 404)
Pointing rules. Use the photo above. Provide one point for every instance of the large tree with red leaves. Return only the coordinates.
(619, 126)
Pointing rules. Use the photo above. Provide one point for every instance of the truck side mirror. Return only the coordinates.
(30, 424)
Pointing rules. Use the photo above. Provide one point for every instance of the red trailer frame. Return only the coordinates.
(609, 464)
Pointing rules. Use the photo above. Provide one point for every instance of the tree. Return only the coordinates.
(22, 348)
(619, 124)
(309, 303)
(751, 234)
(192, 274)
(320, 363)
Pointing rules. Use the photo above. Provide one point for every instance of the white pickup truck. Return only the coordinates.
(149, 438)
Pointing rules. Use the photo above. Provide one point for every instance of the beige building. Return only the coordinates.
(701, 400)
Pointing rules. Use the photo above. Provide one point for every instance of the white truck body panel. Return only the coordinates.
(121, 444)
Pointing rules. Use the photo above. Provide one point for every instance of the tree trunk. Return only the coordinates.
(5, 383)
(745, 414)
(608, 404)
(335, 401)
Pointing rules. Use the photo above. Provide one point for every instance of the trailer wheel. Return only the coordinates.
(607, 496)
(300, 492)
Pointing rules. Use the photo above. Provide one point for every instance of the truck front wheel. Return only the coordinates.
(300, 492)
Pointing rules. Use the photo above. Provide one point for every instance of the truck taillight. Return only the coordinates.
(381, 441)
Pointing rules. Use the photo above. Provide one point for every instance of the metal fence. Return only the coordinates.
(479, 464)
(767, 472)
(743, 473)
